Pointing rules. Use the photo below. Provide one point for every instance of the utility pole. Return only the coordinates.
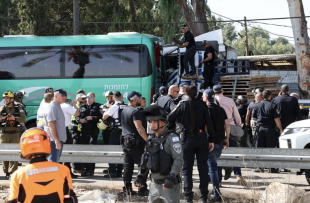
(302, 48)
(246, 38)
(76, 17)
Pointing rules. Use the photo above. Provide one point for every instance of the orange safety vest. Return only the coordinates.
(42, 181)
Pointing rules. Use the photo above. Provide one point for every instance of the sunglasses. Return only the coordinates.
(83, 98)
(89, 97)
(176, 91)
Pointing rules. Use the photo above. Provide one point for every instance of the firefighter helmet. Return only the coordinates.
(8, 94)
(34, 142)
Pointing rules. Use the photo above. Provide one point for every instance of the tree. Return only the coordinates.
(260, 43)
(194, 12)
(8, 26)
(229, 33)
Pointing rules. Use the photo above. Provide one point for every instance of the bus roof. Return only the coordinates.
(75, 40)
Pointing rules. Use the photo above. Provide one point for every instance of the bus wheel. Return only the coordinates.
(307, 174)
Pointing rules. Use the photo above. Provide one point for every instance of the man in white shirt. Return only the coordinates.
(48, 97)
(69, 110)
(112, 115)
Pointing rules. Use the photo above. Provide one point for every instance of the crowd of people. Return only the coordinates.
(163, 139)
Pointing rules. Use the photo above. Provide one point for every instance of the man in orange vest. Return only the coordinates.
(41, 180)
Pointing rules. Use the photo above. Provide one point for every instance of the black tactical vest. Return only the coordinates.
(159, 161)
(114, 123)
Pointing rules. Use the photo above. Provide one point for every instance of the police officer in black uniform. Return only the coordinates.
(287, 107)
(133, 141)
(194, 116)
(209, 66)
(189, 43)
(89, 117)
(167, 102)
(163, 157)
(266, 116)
(241, 102)
(113, 116)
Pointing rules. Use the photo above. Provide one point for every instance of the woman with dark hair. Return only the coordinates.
(197, 140)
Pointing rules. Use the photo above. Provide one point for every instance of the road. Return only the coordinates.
(231, 189)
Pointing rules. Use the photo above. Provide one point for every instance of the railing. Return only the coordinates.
(233, 156)
(230, 67)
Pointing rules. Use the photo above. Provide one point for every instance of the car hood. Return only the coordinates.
(300, 124)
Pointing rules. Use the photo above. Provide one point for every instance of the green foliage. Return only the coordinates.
(260, 43)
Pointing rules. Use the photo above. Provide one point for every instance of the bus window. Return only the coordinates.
(102, 61)
(30, 62)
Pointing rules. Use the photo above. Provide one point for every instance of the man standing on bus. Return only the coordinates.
(189, 53)
(208, 61)
(12, 116)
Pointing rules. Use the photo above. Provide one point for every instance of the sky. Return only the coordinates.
(258, 9)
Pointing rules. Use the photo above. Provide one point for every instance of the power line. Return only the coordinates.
(252, 26)
(102, 22)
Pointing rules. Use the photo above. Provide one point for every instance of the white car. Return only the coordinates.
(297, 136)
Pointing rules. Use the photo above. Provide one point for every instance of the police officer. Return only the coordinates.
(266, 116)
(133, 141)
(107, 132)
(40, 180)
(76, 133)
(287, 107)
(163, 91)
(258, 98)
(242, 101)
(113, 116)
(163, 157)
(189, 43)
(11, 119)
(208, 61)
(194, 116)
(167, 102)
(89, 117)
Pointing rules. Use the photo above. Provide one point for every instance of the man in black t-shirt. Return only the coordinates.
(189, 43)
(221, 129)
(208, 60)
(133, 141)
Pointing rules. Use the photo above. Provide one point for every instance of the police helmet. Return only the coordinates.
(8, 94)
(108, 94)
(257, 90)
(241, 100)
(155, 113)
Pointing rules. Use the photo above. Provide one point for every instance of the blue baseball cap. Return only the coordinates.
(217, 88)
(132, 95)
(210, 94)
(163, 90)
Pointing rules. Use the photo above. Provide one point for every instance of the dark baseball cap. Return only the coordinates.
(132, 95)
(204, 42)
(48, 89)
(217, 88)
(163, 90)
(210, 94)
(61, 91)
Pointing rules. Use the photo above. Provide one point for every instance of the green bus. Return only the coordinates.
(122, 62)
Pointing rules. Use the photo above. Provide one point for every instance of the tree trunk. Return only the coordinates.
(302, 48)
(200, 15)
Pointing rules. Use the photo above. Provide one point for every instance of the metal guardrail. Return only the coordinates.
(242, 157)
